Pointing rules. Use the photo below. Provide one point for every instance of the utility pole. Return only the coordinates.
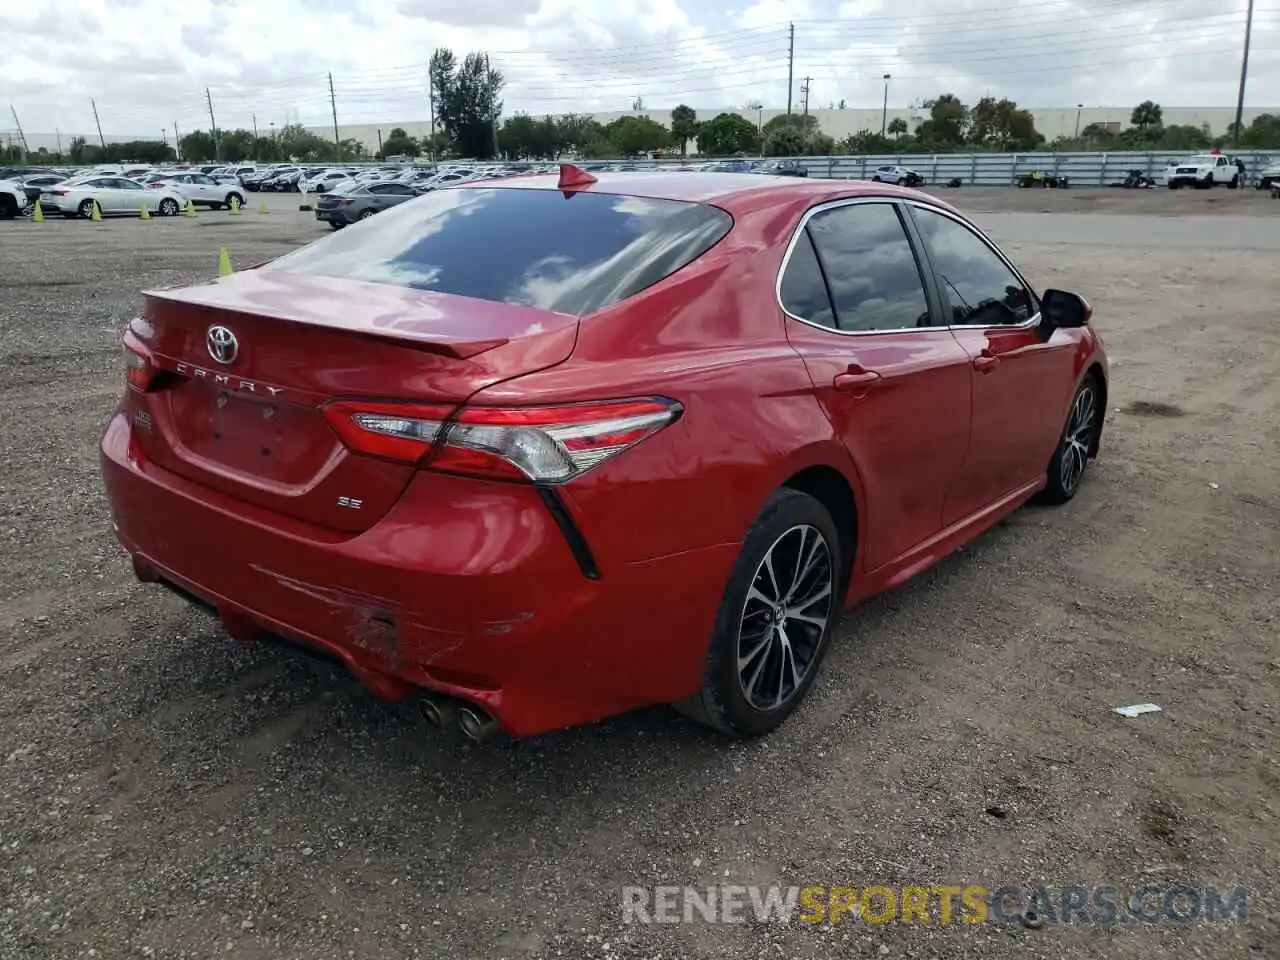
(791, 64)
(213, 125)
(255, 135)
(333, 106)
(884, 112)
(21, 136)
(805, 90)
(431, 107)
(101, 139)
(177, 141)
(493, 105)
(1244, 76)
(58, 133)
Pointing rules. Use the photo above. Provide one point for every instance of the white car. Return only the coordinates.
(201, 189)
(114, 195)
(322, 181)
(1202, 171)
(896, 173)
(13, 200)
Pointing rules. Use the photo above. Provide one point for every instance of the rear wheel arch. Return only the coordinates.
(1095, 373)
(832, 489)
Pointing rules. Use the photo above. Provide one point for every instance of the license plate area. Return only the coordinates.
(255, 436)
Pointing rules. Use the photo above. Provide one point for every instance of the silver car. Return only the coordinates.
(347, 204)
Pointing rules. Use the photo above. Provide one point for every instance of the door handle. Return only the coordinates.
(985, 362)
(855, 380)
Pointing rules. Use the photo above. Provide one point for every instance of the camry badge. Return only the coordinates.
(222, 343)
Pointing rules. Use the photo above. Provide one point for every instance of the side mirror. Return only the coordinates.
(1060, 309)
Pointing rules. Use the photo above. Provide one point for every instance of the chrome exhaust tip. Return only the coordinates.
(435, 711)
(476, 724)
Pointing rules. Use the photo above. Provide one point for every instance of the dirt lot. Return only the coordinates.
(165, 792)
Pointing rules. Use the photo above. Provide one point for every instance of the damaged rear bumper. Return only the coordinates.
(467, 589)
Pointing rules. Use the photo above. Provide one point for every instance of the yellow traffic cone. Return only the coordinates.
(235, 205)
(262, 208)
(191, 209)
(97, 212)
(224, 263)
(38, 215)
(145, 214)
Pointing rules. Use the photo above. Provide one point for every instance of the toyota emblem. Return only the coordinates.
(222, 343)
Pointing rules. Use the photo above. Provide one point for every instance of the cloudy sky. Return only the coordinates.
(147, 63)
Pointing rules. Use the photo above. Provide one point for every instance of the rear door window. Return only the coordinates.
(574, 254)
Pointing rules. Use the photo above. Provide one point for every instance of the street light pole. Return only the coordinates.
(1244, 76)
(1079, 107)
(884, 113)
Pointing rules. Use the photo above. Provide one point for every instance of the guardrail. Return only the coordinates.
(1003, 169)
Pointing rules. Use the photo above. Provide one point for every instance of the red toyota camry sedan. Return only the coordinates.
(538, 451)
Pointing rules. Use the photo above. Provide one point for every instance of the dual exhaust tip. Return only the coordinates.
(476, 723)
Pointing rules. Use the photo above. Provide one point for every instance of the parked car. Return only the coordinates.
(201, 189)
(13, 200)
(340, 207)
(34, 186)
(897, 173)
(1202, 172)
(542, 450)
(114, 195)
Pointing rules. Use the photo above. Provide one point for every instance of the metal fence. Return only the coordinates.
(1004, 169)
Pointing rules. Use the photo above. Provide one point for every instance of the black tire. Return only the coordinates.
(1076, 446)
(790, 521)
(8, 207)
(85, 210)
(336, 225)
(1235, 183)
(168, 207)
(876, 179)
(367, 212)
(236, 197)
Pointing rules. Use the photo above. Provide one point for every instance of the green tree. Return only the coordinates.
(298, 143)
(947, 125)
(1000, 126)
(581, 134)
(196, 147)
(630, 136)
(726, 134)
(467, 103)
(684, 126)
(804, 122)
(785, 141)
(897, 128)
(524, 138)
(1147, 115)
(866, 142)
(1263, 133)
(399, 143)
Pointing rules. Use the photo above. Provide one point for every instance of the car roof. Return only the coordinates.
(729, 190)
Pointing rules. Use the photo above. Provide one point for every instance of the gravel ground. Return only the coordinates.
(166, 792)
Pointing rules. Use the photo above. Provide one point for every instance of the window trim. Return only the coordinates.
(1029, 323)
(914, 236)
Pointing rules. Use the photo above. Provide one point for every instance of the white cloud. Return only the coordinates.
(147, 63)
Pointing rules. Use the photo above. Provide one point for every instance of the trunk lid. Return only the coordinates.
(247, 422)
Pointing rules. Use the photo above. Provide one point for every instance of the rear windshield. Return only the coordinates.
(572, 254)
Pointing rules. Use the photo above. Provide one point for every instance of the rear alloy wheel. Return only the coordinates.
(367, 213)
(168, 207)
(85, 209)
(236, 198)
(1075, 448)
(775, 619)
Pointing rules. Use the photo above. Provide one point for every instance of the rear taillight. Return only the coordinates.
(538, 444)
(343, 201)
(58, 193)
(139, 371)
(392, 431)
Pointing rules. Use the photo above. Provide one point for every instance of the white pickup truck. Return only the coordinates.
(1202, 171)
